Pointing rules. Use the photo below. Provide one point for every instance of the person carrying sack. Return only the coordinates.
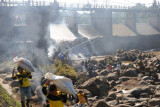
(54, 97)
(25, 89)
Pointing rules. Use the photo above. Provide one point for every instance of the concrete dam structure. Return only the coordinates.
(32, 19)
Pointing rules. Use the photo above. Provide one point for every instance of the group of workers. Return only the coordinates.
(55, 98)
(107, 63)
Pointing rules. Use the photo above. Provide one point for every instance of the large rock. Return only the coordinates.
(124, 105)
(6, 70)
(124, 78)
(112, 76)
(8, 77)
(154, 102)
(135, 92)
(101, 104)
(146, 78)
(131, 72)
(96, 86)
(112, 103)
(3, 75)
(14, 83)
(104, 72)
(129, 100)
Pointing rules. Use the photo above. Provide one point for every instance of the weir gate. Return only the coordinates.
(28, 15)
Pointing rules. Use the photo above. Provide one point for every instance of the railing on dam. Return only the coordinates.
(65, 6)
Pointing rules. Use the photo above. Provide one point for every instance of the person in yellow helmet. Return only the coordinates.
(55, 98)
(25, 89)
(81, 99)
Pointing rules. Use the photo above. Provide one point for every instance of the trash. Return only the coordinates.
(63, 83)
(24, 63)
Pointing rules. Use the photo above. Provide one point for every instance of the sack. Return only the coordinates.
(24, 63)
(63, 83)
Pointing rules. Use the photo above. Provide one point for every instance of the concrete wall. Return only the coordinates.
(71, 22)
(102, 20)
(155, 20)
(131, 21)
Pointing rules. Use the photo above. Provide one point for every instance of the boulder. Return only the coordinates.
(112, 76)
(96, 86)
(131, 72)
(8, 77)
(101, 104)
(124, 78)
(129, 100)
(154, 102)
(6, 70)
(144, 95)
(145, 78)
(3, 75)
(135, 92)
(112, 83)
(14, 83)
(141, 104)
(104, 72)
(124, 105)
(112, 95)
(112, 103)
(157, 94)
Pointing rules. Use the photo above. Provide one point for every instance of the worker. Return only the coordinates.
(25, 89)
(81, 99)
(54, 97)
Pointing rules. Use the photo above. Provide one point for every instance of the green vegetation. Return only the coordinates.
(6, 100)
(67, 71)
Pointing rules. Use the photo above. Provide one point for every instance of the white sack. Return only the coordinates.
(24, 63)
(63, 83)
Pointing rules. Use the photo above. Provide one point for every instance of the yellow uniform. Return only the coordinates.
(81, 98)
(55, 101)
(23, 78)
